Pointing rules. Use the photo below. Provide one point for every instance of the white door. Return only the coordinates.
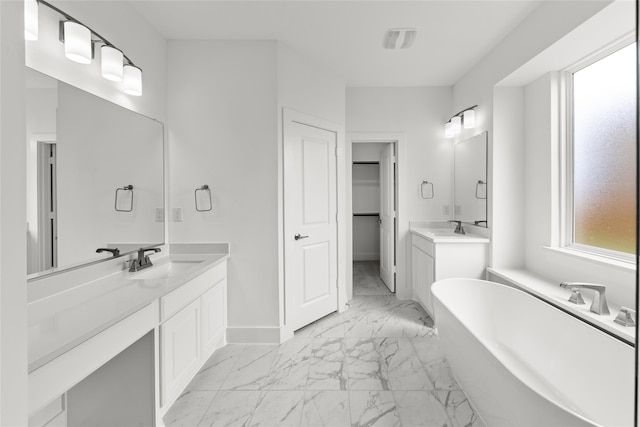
(387, 217)
(310, 230)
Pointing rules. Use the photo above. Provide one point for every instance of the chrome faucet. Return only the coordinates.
(459, 228)
(599, 304)
(143, 260)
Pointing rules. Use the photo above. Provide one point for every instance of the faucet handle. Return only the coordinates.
(576, 297)
(626, 317)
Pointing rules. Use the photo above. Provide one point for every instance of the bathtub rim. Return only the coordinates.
(499, 358)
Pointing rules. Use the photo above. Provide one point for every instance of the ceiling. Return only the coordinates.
(346, 36)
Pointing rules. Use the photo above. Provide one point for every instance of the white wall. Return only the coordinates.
(223, 132)
(419, 113)
(13, 266)
(225, 120)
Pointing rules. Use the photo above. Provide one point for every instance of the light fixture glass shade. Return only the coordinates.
(77, 42)
(448, 131)
(31, 20)
(132, 81)
(456, 125)
(111, 63)
(469, 119)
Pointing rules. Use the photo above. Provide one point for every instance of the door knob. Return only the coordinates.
(379, 220)
(298, 237)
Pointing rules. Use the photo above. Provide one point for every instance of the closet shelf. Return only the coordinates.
(366, 214)
(365, 163)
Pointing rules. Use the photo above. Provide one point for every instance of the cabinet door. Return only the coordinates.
(180, 350)
(422, 276)
(214, 317)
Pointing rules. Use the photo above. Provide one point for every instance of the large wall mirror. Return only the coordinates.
(470, 180)
(94, 177)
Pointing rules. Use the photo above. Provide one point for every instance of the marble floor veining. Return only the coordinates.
(378, 363)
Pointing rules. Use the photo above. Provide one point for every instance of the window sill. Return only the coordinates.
(629, 266)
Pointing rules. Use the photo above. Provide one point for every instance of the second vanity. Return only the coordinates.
(439, 253)
(123, 347)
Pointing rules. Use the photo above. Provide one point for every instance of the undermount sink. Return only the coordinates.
(165, 271)
(444, 232)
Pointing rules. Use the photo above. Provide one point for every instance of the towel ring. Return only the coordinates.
(206, 188)
(429, 186)
(125, 188)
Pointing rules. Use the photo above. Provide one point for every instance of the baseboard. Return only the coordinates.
(257, 335)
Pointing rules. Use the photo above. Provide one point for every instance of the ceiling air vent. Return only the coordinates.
(399, 38)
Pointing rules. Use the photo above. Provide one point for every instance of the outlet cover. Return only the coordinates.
(446, 210)
(177, 214)
(159, 214)
(458, 210)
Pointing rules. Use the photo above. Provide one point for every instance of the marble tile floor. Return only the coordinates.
(379, 363)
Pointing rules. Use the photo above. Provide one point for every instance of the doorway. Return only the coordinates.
(374, 222)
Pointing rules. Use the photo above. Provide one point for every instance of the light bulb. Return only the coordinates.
(31, 20)
(111, 63)
(456, 125)
(132, 82)
(447, 130)
(77, 42)
(469, 119)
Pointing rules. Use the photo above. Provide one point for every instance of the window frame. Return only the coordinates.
(566, 237)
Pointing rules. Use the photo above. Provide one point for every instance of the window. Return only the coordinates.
(601, 152)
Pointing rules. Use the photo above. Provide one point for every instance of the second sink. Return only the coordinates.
(165, 270)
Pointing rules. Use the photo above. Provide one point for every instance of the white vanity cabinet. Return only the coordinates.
(440, 257)
(130, 341)
(193, 326)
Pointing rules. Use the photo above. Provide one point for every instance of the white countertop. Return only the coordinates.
(446, 235)
(62, 320)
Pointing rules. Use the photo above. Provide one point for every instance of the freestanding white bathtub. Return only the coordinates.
(523, 362)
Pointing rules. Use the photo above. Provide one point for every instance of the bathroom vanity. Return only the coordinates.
(129, 339)
(439, 253)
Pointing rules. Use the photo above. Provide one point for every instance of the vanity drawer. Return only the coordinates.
(171, 303)
(424, 244)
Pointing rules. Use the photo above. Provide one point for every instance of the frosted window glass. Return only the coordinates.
(604, 143)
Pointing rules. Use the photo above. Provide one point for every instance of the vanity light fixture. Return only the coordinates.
(111, 60)
(132, 81)
(464, 119)
(31, 20)
(469, 119)
(79, 41)
(448, 131)
(456, 125)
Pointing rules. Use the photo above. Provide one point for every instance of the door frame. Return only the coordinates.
(292, 116)
(402, 224)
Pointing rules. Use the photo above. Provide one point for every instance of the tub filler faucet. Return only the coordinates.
(599, 304)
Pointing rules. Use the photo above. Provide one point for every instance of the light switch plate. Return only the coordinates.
(177, 214)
